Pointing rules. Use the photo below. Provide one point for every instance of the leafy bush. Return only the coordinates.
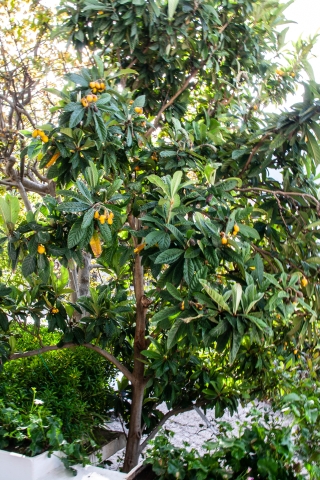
(303, 403)
(35, 430)
(263, 449)
(73, 384)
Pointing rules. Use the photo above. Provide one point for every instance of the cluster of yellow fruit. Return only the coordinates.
(236, 229)
(282, 73)
(108, 216)
(224, 239)
(304, 282)
(138, 110)
(41, 134)
(54, 310)
(41, 249)
(88, 99)
(98, 86)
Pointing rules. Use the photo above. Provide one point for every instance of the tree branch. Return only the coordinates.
(24, 197)
(172, 99)
(284, 194)
(169, 414)
(103, 353)
(252, 154)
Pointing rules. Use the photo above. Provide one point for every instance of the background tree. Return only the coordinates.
(209, 263)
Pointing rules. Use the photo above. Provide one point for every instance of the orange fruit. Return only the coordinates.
(41, 249)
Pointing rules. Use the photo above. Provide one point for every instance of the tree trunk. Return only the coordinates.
(135, 432)
(80, 283)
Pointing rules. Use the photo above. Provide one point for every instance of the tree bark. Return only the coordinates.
(135, 426)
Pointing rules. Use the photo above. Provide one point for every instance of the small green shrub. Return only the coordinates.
(263, 449)
(74, 384)
(35, 430)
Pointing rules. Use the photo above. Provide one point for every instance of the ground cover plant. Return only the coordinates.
(159, 216)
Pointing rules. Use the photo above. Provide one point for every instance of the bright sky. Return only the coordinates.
(307, 15)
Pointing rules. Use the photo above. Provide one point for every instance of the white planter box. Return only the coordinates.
(109, 448)
(14, 466)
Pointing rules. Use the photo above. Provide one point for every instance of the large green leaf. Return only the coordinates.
(72, 207)
(174, 292)
(174, 333)
(28, 265)
(169, 256)
(160, 183)
(175, 183)
(76, 117)
(236, 296)
(235, 345)
(76, 234)
(100, 128)
(216, 297)
(4, 323)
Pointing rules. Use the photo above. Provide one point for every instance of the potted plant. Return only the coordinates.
(32, 443)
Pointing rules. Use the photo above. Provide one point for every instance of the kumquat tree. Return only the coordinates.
(160, 215)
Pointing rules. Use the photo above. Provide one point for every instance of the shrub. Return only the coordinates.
(263, 449)
(74, 384)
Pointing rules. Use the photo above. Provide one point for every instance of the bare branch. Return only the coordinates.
(169, 414)
(103, 353)
(171, 101)
(284, 194)
(252, 154)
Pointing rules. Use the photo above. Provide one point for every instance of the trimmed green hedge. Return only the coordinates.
(74, 384)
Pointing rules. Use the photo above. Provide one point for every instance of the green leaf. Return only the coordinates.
(4, 323)
(100, 65)
(4, 291)
(151, 354)
(249, 232)
(235, 345)
(72, 207)
(84, 190)
(175, 183)
(76, 234)
(236, 296)
(100, 128)
(216, 297)
(313, 147)
(169, 256)
(165, 314)
(87, 218)
(139, 101)
(174, 332)
(160, 183)
(176, 233)
(92, 175)
(28, 265)
(105, 232)
(159, 237)
(172, 7)
(76, 117)
(77, 79)
(9, 209)
(174, 292)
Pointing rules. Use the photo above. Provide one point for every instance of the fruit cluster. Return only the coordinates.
(88, 99)
(105, 217)
(282, 73)
(97, 86)
(54, 310)
(138, 110)
(40, 133)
